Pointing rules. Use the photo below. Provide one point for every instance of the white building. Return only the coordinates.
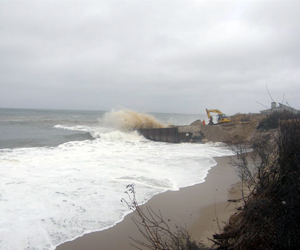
(279, 108)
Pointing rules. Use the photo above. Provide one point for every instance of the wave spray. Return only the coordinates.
(127, 120)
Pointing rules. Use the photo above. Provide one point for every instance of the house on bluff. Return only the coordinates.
(279, 108)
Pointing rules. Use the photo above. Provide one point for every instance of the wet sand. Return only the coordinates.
(202, 209)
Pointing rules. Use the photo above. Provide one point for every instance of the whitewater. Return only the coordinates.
(69, 179)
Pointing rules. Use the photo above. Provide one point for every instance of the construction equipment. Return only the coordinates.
(221, 118)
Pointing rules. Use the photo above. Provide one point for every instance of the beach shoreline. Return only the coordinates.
(202, 209)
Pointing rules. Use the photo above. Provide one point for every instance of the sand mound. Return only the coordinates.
(242, 128)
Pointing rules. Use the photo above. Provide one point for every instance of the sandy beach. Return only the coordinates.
(202, 209)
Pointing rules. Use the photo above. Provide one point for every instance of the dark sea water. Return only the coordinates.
(36, 128)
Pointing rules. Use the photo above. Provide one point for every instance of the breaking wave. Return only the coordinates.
(126, 120)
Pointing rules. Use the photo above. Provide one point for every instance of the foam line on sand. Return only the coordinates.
(201, 209)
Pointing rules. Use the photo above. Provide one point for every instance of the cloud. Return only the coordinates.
(163, 56)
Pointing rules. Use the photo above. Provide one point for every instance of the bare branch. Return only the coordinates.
(262, 104)
(269, 93)
(155, 230)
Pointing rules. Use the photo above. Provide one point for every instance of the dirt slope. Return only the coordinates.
(242, 128)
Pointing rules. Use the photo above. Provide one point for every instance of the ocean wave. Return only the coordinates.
(76, 127)
(104, 133)
(120, 136)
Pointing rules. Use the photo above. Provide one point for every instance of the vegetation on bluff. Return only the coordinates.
(269, 218)
(272, 121)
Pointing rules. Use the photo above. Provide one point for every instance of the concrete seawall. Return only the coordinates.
(166, 134)
(195, 132)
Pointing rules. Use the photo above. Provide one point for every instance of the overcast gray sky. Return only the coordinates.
(177, 56)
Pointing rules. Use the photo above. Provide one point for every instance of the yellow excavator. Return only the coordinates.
(221, 118)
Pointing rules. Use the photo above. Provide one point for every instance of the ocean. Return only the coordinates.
(63, 173)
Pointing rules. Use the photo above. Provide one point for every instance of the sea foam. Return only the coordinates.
(50, 195)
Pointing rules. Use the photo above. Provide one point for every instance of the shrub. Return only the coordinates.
(272, 120)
